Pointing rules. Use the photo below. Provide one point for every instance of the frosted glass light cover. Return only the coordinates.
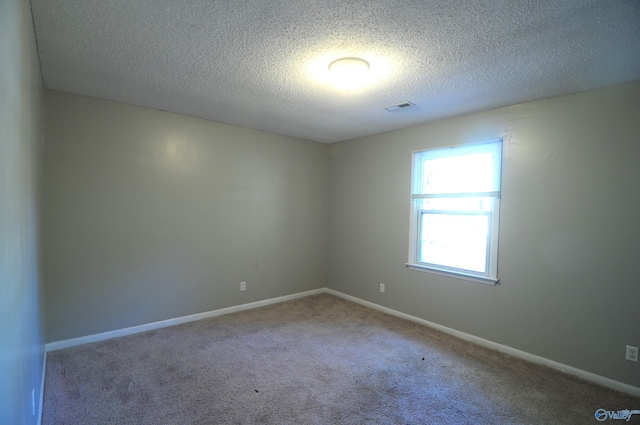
(348, 71)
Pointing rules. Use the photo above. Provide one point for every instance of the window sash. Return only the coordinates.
(421, 214)
(494, 149)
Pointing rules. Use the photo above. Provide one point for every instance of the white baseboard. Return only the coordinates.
(67, 343)
(44, 374)
(587, 376)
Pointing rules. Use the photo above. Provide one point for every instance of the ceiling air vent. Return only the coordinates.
(399, 106)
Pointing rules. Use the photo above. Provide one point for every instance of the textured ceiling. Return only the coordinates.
(263, 63)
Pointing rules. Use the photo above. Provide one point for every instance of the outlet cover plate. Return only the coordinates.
(632, 354)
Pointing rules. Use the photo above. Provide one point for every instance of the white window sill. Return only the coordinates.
(458, 275)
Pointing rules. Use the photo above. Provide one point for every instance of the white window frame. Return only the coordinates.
(490, 276)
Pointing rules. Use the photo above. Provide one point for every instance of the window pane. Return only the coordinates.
(454, 240)
(458, 174)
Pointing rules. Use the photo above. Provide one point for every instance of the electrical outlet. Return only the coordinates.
(243, 286)
(632, 354)
(382, 287)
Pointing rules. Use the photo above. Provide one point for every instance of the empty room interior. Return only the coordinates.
(319, 212)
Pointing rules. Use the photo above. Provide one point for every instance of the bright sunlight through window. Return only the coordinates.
(455, 211)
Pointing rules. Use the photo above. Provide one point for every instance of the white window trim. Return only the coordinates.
(456, 274)
(491, 277)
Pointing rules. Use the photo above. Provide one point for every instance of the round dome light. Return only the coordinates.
(348, 70)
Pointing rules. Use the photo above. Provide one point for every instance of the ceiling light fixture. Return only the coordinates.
(348, 71)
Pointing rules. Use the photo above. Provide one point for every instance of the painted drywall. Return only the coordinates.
(569, 231)
(21, 340)
(150, 215)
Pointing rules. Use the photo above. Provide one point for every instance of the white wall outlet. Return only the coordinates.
(632, 354)
(243, 286)
(382, 287)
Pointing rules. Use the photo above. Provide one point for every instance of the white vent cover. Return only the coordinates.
(398, 106)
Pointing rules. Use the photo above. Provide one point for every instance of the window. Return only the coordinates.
(455, 197)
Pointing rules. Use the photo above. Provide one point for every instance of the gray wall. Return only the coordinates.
(150, 215)
(569, 259)
(21, 341)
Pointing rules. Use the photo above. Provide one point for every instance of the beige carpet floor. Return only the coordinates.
(314, 360)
